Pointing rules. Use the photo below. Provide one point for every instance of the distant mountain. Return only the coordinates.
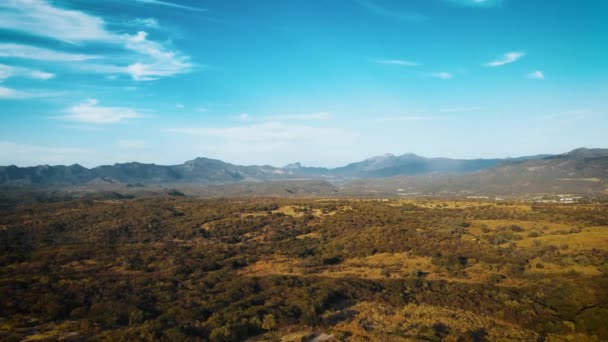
(581, 170)
(199, 170)
(45, 175)
(299, 171)
(390, 165)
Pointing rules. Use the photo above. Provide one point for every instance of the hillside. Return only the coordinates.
(581, 171)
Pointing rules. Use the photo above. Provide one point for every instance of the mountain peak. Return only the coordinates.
(588, 153)
(293, 166)
(381, 157)
(410, 155)
(202, 160)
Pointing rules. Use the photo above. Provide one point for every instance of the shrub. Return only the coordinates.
(516, 228)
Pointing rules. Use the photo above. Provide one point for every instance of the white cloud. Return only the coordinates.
(39, 18)
(91, 112)
(537, 75)
(507, 58)
(145, 22)
(8, 71)
(442, 75)
(15, 94)
(179, 106)
(147, 59)
(171, 4)
(32, 52)
(40, 75)
(244, 117)
(8, 93)
(157, 61)
(201, 109)
(400, 62)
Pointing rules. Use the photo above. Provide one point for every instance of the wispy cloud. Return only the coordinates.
(39, 18)
(507, 58)
(150, 23)
(147, 59)
(157, 61)
(91, 112)
(244, 117)
(21, 94)
(286, 117)
(391, 13)
(171, 4)
(476, 3)
(441, 75)
(399, 62)
(36, 53)
(537, 75)
(12, 94)
(8, 71)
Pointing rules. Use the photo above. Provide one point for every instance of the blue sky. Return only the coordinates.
(323, 82)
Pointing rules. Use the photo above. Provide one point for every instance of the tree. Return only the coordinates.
(269, 322)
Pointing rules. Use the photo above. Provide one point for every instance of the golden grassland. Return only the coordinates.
(378, 266)
(587, 239)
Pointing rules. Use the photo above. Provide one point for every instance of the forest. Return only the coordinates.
(277, 269)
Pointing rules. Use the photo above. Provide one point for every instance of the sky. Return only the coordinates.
(321, 82)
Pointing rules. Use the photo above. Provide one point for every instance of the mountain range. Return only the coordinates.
(581, 170)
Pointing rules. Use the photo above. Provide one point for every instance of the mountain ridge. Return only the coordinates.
(202, 170)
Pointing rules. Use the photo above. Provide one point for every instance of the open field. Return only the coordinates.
(178, 269)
